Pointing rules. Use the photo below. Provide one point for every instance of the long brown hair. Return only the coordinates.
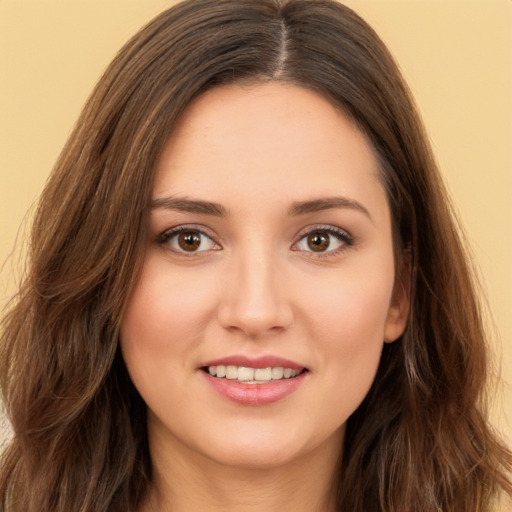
(420, 441)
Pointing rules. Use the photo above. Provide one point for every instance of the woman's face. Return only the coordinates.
(267, 290)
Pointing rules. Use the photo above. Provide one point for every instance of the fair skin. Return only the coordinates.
(292, 265)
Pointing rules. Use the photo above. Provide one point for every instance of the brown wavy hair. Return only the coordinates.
(420, 441)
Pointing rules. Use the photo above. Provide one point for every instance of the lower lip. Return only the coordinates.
(255, 394)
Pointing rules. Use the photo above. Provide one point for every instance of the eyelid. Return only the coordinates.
(346, 239)
(164, 237)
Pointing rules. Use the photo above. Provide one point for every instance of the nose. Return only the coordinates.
(255, 300)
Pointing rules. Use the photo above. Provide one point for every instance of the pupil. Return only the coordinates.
(189, 241)
(318, 242)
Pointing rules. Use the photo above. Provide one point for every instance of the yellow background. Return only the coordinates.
(455, 54)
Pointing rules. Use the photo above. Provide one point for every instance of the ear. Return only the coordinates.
(398, 312)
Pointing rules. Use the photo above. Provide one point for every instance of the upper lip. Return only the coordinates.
(254, 362)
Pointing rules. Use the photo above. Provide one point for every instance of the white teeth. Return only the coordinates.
(277, 373)
(252, 375)
(245, 373)
(231, 372)
(263, 374)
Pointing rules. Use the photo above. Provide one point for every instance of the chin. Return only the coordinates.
(265, 448)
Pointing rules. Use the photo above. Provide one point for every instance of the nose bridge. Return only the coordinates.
(254, 299)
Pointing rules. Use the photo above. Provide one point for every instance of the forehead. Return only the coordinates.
(272, 140)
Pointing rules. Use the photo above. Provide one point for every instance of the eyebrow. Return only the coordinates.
(189, 206)
(327, 203)
(297, 208)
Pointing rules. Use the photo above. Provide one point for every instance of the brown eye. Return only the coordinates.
(328, 241)
(318, 241)
(189, 240)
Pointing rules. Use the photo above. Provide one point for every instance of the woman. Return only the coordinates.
(246, 289)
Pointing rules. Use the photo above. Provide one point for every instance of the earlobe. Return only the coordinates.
(398, 312)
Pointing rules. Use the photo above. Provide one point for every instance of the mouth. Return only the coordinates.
(254, 381)
(249, 375)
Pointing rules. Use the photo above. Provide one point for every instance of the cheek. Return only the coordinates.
(352, 305)
(346, 324)
(166, 304)
(160, 326)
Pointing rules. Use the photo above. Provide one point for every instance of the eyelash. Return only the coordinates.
(346, 240)
(166, 237)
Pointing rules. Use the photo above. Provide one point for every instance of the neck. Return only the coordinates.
(184, 480)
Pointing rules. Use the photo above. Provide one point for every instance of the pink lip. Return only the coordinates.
(254, 362)
(254, 394)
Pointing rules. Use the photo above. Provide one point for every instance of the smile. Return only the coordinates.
(249, 375)
(254, 381)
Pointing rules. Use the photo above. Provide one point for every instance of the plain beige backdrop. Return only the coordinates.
(455, 54)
